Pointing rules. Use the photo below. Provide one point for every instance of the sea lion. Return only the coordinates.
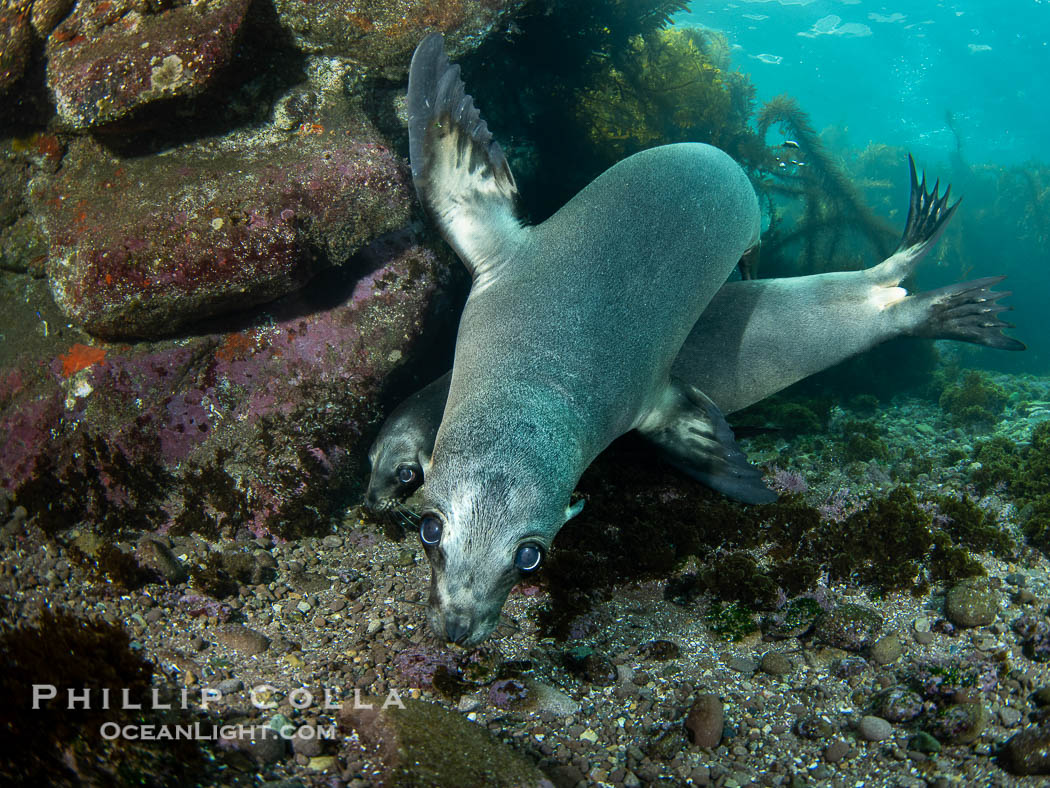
(401, 450)
(759, 336)
(566, 340)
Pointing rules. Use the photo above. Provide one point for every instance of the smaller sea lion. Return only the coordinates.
(760, 336)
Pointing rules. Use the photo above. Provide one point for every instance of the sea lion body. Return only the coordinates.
(566, 340)
(566, 349)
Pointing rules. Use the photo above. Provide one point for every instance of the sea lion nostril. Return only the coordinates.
(456, 628)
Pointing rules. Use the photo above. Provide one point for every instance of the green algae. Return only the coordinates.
(975, 399)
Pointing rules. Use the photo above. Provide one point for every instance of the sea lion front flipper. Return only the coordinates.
(460, 173)
(691, 433)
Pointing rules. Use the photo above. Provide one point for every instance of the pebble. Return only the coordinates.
(242, 639)
(836, 751)
(886, 650)
(849, 626)
(1009, 717)
(741, 664)
(776, 664)
(971, 603)
(873, 728)
(705, 721)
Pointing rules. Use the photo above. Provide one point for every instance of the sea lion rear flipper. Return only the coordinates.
(928, 214)
(967, 311)
(691, 433)
(460, 173)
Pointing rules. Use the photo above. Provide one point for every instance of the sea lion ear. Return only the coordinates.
(573, 509)
(461, 175)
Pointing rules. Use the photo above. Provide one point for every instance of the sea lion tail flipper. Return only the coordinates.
(691, 433)
(460, 172)
(928, 215)
(967, 311)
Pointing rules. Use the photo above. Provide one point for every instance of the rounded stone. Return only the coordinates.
(849, 626)
(776, 664)
(886, 649)
(971, 603)
(962, 723)
(874, 728)
(705, 721)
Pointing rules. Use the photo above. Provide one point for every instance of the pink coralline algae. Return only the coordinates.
(107, 60)
(262, 427)
(139, 250)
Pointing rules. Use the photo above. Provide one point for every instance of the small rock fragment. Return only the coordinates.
(705, 721)
(873, 728)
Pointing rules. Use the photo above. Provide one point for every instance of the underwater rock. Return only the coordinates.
(848, 626)
(380, 33)
(962, 723)
(107, 60)
(141, 247)
(971, 603)
(1028, 752)
(170, 434)
(705, 721)
(426, 744)
(16, 42)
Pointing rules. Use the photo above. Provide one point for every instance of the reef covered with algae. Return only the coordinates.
(216, 283)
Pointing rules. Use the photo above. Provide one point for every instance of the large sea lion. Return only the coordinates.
(759, 336)
(566, 340)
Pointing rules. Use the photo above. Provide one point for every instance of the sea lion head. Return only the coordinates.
(397, 471)
(484, 528)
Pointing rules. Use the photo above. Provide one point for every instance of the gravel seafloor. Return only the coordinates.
(344, 612)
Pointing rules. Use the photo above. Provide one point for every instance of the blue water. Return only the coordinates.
(889, 72)
(898, 74)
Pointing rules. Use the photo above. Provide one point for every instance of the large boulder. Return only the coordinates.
(139, 247)
(107, 60)
(263, 425)
(383, 33)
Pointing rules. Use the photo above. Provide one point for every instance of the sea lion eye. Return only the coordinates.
(528, 557)
(430, 531)
(406, 474)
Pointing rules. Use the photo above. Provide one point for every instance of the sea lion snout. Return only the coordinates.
(458, 624)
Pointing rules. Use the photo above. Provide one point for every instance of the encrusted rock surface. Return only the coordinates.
(258, 426)
(140, 247)
(107, 60)
(383, 33)
(426, 744)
